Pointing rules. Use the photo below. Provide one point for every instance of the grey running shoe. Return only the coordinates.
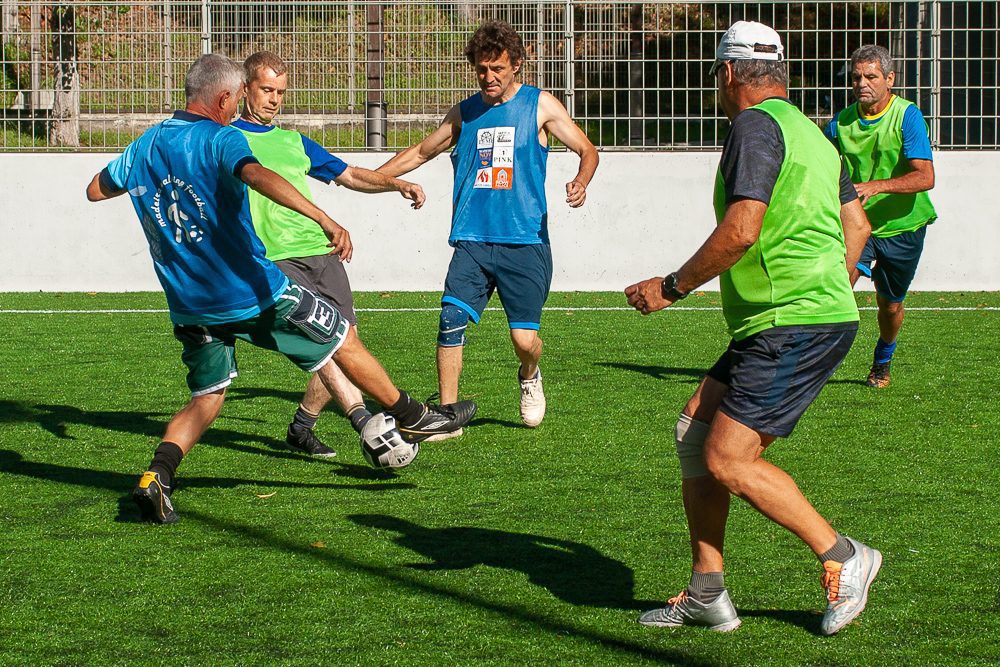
(305, 441)
(719, 615)
(847, 586)
(153, 499)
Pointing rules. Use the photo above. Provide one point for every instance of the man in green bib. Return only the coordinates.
(884, 140)
(789, 224)
(301, 250)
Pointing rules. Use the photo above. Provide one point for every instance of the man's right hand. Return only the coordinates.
(413, 192)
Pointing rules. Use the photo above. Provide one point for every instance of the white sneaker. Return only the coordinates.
(532, 400)
(719, 615)
(847, 586)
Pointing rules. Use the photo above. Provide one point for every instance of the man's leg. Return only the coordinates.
(528, 348)
(706, 501)
(705, 600)
(895, 268)
(152, 493)
(449, 368)
(733, 457)
(300, 434)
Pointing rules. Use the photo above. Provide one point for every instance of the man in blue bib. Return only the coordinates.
(187, 178)
(499, 226)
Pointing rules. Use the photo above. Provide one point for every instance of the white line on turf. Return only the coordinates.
(126, 311)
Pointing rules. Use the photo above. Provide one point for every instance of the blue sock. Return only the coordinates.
(883, 351)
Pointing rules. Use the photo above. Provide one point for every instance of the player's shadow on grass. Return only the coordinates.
(13, 463)
(656, 372)
(805, 619)
(56, 420)
(572, 572)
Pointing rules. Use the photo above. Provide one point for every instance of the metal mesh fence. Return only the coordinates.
(93, 75)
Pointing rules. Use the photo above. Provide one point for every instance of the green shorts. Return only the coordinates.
(301, 326)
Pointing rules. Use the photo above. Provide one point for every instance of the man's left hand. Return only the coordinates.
(867, 190)
(576, 194)
(647, 296)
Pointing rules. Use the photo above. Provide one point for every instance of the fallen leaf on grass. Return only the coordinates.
(263, 496)
(318, 545)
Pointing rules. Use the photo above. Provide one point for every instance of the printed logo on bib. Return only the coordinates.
(495, 152)
(502, 178)
(484, 178)
(503, 156)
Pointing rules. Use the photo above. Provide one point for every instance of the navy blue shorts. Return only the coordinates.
(774, 375)
(896, 259)
(521, 274)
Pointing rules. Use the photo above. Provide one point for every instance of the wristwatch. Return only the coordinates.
(668, 288)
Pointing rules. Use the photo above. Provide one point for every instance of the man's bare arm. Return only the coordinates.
(277, 189)
(856, 231)
(920, 178)
(435, 143)
(100, 188)
(554, 119)
(360, 179)
(738, 231)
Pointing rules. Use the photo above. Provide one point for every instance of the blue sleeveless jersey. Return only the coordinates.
(181, 176)
(499, 194)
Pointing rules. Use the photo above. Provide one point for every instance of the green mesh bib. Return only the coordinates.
(796, 272)
(284, 232)
(874, 152)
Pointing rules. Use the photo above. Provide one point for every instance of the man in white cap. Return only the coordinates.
(789, 224)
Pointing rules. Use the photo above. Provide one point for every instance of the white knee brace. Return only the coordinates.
(689, 436)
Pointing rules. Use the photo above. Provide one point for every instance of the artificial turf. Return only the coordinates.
(506, 546)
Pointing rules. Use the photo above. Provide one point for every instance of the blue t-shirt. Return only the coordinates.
(499, 192)
(182, 177)
(323, 165)
(916, 143)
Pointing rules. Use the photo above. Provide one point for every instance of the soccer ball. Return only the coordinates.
(383, 446)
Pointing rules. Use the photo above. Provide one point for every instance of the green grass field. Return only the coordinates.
(507, 546)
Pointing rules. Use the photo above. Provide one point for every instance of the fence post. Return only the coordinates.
(375, 111)
(8, 24)
(36, 56)
(935, 72)
(168, 57)
(206, 27)
(540, 42)
(636, 60)
(568, 47)
(351, 58)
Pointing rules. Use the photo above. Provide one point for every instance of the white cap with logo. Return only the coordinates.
(748, 40)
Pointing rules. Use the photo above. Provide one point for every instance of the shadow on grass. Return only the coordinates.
(809, 621)
(414, 581)
(13, 463)
(656, 372)
(56, 420)
(573, 572)
(485, 421)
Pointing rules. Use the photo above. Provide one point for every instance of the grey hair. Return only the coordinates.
(873, 53)
(760, 73)
(210, 75)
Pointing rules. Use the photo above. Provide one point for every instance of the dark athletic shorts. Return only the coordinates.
(896, 259)
(304, 328)
(324, 275)
(522, 274)
(774, 375)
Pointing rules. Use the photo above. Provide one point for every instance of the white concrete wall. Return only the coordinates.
(645, 214)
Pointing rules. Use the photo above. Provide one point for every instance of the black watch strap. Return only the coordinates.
(669, 288)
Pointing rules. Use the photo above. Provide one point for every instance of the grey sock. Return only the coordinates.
(706, 587)
(839, 552)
